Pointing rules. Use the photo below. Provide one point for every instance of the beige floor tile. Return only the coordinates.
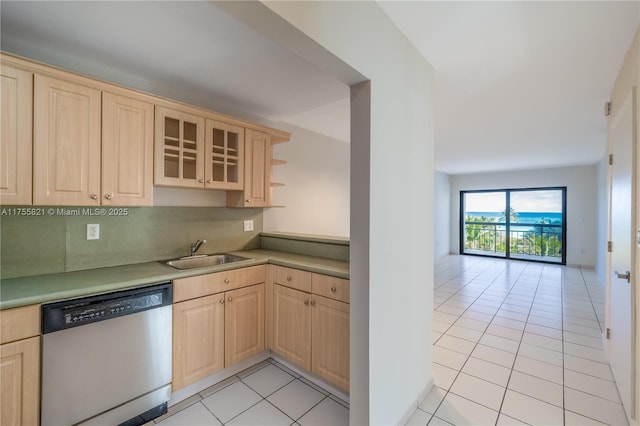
(481, 391)
(531, 410)
(461, 411)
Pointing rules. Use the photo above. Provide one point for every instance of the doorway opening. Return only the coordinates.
(526, 224)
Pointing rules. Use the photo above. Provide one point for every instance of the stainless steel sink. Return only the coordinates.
(202, 261)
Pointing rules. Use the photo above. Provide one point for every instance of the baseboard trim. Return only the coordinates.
(415, 404)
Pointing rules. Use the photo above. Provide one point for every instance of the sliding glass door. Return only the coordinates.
(528, 224)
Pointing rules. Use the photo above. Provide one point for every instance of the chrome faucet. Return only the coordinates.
(196, 246)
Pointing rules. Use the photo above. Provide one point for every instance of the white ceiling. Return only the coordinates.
(518, 84)
(189, 46)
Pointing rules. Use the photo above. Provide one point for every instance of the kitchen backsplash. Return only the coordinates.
(54, 239)
(310, 245)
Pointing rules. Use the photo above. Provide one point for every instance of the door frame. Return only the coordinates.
(635, 250)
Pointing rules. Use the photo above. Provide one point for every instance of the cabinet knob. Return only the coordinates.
(226, 281)
(306, 302)
(333, 289)
(313, 303)
(201, 180)
(230, 299)
(108, 196)
(222, 301)
(247, 201)
(289, 278)
(94, 196)
(209, 181)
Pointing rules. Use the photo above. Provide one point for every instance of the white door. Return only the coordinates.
(622, 309)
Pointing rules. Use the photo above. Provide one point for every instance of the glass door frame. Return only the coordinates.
(508, 192)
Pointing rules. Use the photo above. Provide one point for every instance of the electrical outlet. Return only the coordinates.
(93, 231)
(248, 225)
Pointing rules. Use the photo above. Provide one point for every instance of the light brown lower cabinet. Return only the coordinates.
(20, 377)
(20, 366)
(291, 334)
(243, 323)
(330, 340)
(217, 331)
(312, 332)
(198, 339)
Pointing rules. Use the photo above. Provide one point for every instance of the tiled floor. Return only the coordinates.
(514, 343)
(518, 343)
(266, 394)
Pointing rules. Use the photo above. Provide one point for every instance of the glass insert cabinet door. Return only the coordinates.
(179, 149)
(224, 156)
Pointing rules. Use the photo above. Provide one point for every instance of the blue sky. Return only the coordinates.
(525, 201)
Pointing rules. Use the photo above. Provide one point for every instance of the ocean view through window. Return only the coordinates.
(526, 224)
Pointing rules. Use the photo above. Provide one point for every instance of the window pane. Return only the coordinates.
(538, 231)
(525, 224)
(484, 225)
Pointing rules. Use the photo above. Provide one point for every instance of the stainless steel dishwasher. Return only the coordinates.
(106, 360)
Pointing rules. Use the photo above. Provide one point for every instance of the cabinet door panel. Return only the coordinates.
(66, 143)
(330, 334)
(257, 168)
(179, 149)
(256, 153)
(244, 323)
(198, 339)
(127, 151)
(292, 325)
(20, 382)
(16, 147)
(224, 158)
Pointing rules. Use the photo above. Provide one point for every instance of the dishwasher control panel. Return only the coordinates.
(112, 309)
(76, 312)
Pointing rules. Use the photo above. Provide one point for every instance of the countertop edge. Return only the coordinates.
(149, 273)
(344, 241)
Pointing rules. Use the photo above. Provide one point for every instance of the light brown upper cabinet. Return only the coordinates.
(16, 143)
(179, 149)
(258, 183)
(66, 154)
(194, 152)
(127, 151)
(67, 139)
(257, 160)
(224, 161)
(90, 148)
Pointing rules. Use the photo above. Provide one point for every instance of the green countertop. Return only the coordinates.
(24, 291)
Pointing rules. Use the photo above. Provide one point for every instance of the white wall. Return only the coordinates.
(393, 194)
(582, 203)
(442, 215)
(316, 191)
